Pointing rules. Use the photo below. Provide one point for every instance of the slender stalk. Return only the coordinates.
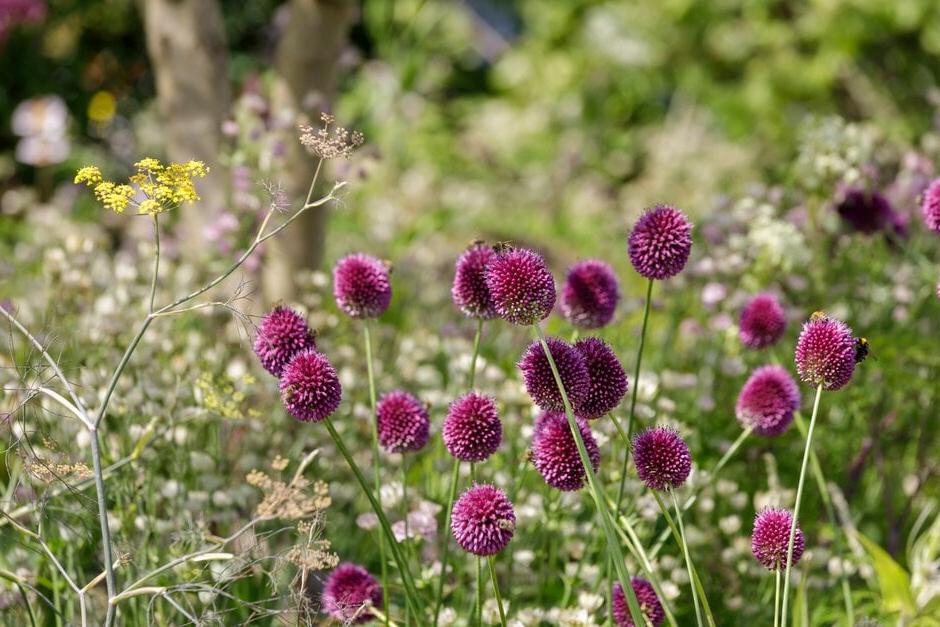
(105, 528)
(479, 608)
(411, 593)
(688, 558)
(777, 598)
(29, 607)
(799, 497)
(454, 478)
(404, 511)
(476, 353)
(156, 259)
(636, 381)
(499, 598)
(377, 472)
(614, 550)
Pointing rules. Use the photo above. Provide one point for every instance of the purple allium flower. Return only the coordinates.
(930, 206)
(763, 322)
(361, 286)
(608, 381)
(660, 243)
(590, 294)
(555, 453)
(540, 382)
(310, 388)
(483, 520)
(768, 400)
(282, 334)
(869, 212)
(771, 537)
(649, 603)
(402, 422)
(825, 352)
(349, 594)
(662, 458)
(522, 288)
(472, 430)
(470, 293)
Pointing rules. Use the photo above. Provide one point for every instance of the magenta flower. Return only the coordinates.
(590, 294)
(402, 422)
(771, 537)
(470, 293)
(660, 243)
(350, 593)
(763, 322)
(825, 352)
(555, 453)
(282, 334)
(647, 598)
(310, 389)
(662, 458)
(483, 520)
(361, 286)
(930, 206)
(869, 212)
(522, 288)
(608, 381)
(768, 400)
(472, 430)
(540, 381)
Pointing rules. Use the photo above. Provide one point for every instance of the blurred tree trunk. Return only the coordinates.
(186, 45)
(307, 68)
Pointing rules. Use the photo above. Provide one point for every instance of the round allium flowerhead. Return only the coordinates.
(869, 212)
(649, 603)
(608, 381)
(472, 430)
(662, 458)
(763, 322)
(660, 243)
(555, 453)
(361, 286)
(540, 381)
(767, 401)
(402, 422)
(590, 294)
(282, 334)
(771, 537)
(930, 206)
(825, 352)
(483, 520)
(310, 388)
(349, 594)
(522, 288)
(470, 293)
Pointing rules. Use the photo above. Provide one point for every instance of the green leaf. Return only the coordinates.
(893, 580)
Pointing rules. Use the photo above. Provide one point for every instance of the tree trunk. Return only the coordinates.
(307, 68)
(186, 45)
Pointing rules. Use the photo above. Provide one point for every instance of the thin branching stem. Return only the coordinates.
(499, 598)
(156, 260)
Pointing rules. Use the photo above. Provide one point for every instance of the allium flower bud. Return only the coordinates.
(590, 294)
(869, 212)
(310, 388)
(645, 595)
(555, 453)
(282, 334)
(763, 322)
(772, 536)
(472, 430)
(660, 243)
(662, 458)
(349, 594)
(470, 293)
(825, 352)
(522, 288)
(768, 400)
(483, 520)
(402, 422)
(930, 206)
(361, 286)
(608, 381)
(540, 381)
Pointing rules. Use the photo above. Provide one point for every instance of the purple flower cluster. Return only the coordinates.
(607, 379)
(282, 334)
(590, 294)
(402, 422)
(768, 400)
(662, 458)
(310, 388)
(825, 352)
(660, 243)
(870, 212)
(469, 291)
(350, 593)
(763, 322)
(771, 538)
(472, 430)
(647, 598)
(483, 520)
(930, 206)
(555, 453)
(361, 286)
(540, 381)
(521, 286)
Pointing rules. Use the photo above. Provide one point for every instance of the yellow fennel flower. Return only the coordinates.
(89, 175)
(163, 187)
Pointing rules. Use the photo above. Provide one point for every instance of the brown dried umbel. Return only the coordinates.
(329, 142)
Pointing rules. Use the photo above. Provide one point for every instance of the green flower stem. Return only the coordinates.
(454, 478)
(499, 598)
(777, 598)
(688, 558)
(404, 511)
(411, 593)
(476, 353)
(799, 498)
(614, 550)
(377, 473)
(479, 607)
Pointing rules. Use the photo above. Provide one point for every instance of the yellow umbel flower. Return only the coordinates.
(163, 187)
(89, 175)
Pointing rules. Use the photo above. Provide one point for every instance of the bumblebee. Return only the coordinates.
(818, 315)
(503, 247)
(862, 349)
